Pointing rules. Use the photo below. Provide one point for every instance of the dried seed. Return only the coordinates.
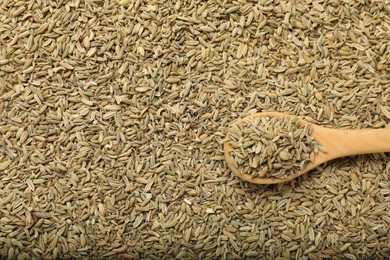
(113, 116)
(280, 141)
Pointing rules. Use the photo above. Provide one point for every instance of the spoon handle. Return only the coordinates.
(354, 142)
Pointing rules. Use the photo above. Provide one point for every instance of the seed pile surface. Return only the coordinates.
(113, 116)
(272, 147)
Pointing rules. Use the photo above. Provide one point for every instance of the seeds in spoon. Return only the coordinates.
(272, 147)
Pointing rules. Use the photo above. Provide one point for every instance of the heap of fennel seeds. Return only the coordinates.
(272, 147)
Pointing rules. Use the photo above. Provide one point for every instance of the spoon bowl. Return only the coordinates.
(337, 142)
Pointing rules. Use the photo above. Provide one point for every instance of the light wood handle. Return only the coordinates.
(353, 142)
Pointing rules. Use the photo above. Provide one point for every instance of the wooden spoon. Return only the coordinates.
(338, 143)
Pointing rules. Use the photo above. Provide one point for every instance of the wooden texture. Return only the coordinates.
(338, 143)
